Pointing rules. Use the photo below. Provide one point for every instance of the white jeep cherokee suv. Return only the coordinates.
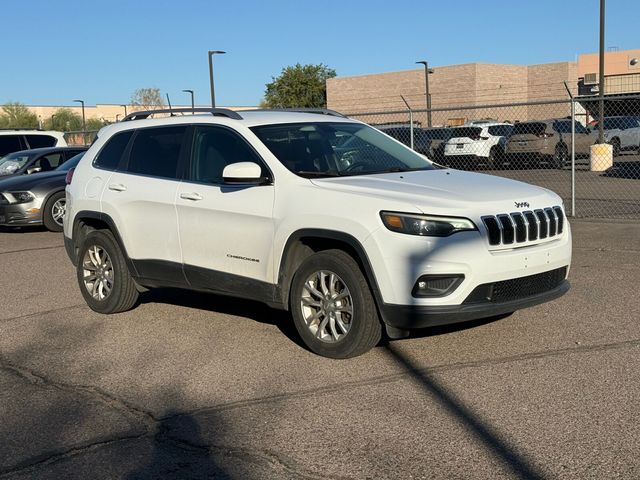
(481, 143)
(315, 213)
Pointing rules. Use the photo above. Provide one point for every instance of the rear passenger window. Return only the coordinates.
(9, 144)
(112, 152)
(156, 151)
(40, 141)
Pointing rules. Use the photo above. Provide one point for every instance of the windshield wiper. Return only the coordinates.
(327, 173)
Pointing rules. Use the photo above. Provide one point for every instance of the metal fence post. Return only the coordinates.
(410, 121)
(573, 157)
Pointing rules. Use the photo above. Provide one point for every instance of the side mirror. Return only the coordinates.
(243, 172)
(31, 170)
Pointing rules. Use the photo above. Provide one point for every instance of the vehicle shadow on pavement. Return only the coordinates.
(492, 440)
(256, 311)
(173, 458)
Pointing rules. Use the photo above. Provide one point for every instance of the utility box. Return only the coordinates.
(600, 157)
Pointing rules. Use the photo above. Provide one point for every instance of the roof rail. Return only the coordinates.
(17, 128)
(320, 111)
(221, 112)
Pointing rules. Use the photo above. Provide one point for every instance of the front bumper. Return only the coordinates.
(408, 317)
(18, 215)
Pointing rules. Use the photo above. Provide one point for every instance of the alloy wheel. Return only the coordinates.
(58, 209)
(97, 272)
(327, 306)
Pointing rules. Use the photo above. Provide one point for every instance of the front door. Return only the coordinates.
(226, 231)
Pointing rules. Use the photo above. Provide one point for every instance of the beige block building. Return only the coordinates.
(476, 85)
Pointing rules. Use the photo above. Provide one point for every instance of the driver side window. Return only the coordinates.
(48, 162)
(213, 149)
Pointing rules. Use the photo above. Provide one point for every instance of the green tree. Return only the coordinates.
(64, 120)
(147, 99)
(95, 124)
(299, 86)
(17, 115)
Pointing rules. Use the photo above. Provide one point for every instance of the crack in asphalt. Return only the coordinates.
(30, 249)
(383, 379)
(151, 426)
(42, 312)
(154, 425)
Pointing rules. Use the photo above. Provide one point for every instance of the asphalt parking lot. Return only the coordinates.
(195, 386)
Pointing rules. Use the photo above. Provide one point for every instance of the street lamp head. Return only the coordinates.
(187, 91)
(80, 101)
(423, 62)
(216, 52)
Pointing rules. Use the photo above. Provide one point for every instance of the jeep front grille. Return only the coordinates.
(519, 227)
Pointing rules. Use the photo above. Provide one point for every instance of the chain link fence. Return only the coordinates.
(550, 144)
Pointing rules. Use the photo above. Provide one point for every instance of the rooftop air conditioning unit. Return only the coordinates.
(590, 78)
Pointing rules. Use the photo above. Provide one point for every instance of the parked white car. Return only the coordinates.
(623, 133)
(14, 140)
(318, 214)
(477, 144)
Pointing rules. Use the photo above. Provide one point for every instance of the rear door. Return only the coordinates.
(140, 198)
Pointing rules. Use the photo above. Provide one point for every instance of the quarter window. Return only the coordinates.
(110, 155)
(40, 141)
(213, 149)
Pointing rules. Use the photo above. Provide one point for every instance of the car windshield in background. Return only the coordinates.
(611, 123)
(13, 162)
(532, 128)
(337, 149)
(71, 163)
(469, 132)
(438, 133)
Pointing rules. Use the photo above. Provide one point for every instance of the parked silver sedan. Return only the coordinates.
(36, 199)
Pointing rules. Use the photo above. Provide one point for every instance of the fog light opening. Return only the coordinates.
(436, 285)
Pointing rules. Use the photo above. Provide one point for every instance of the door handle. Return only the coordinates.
(191, 196)
(117, 187)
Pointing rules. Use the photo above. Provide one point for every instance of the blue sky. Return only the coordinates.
(57, 51)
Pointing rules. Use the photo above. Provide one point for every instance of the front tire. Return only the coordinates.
(103, 276)
(332, 306)
(53, 212)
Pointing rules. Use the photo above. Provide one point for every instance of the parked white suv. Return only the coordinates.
(14, 140)
(350, 236)
(623, 133)
(481, 143)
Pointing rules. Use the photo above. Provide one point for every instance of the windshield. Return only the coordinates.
(71, 163)
(13, 162)
(528, 128)
(312, 149)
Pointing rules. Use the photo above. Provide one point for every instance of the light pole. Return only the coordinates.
(427, 71)
(53, 121)
(84, 123)
(125, 109)
(213, 94)
(192, 104)
(117, 115)
(601, 92)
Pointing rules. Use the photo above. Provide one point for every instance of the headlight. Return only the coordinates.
(425, 225)
(19, 197)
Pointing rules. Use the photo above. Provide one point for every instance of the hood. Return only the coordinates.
(29, 182)
(447, 191)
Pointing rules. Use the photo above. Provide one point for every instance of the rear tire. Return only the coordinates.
(560, 157)
(495, 159)
(103, 276)
(53, 212)
(615, 145)
(332, 306)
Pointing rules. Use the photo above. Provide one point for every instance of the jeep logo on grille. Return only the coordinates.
(522, 205)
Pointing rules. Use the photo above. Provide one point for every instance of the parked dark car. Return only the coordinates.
(438, 137)
(37, 199)
(421, 142)
(36, 160)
